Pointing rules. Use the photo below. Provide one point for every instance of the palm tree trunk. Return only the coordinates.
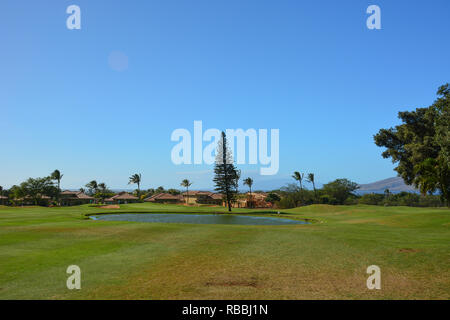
(59, 191)
(315, 191)
(139, 191)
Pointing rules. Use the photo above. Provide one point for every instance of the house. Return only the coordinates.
(202, 197)
(253, 200)
(258, 200)
(42, 200)
(122, 198)
(164, 198)
(3, 200)
(74, 198)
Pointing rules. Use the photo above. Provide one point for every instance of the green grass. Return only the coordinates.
(128, 260)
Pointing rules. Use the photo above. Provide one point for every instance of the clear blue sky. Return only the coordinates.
(309, 68)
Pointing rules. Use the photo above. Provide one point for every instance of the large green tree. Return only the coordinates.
(226, 174)
(102, 192)
(340, 190)
(16, 193)
(35, 188)
(92, 187)
(420, 146)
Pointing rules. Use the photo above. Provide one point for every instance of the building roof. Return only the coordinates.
(197, 193)
(69, 192)
(215, 196)
(163, 196)
(124, 196)
(82, 195)
(261, 195)
(30, 198)
(76, 195)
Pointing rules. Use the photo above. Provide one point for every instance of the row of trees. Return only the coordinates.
(338, 191)
(342, 191)
(36, 188)
(400, 199)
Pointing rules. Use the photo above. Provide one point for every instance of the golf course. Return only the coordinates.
(326, 258)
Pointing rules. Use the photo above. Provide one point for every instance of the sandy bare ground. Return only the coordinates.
(111, 206)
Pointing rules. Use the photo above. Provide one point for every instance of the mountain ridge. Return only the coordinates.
(394, 184)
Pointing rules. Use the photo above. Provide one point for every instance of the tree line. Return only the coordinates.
(420, 147)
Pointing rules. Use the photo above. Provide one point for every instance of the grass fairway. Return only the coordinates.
(130, 260)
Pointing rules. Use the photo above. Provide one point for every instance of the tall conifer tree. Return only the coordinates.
(226, 174)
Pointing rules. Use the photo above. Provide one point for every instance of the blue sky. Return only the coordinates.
(311, 69)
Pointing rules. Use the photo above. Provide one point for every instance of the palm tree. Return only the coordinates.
(186, 183)
(310, 179)
(249, 182)
(103, 190)
(299, 177)
(136, 179)
(56, 175)
(92, 186)
(102, 187)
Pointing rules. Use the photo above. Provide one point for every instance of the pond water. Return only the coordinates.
(198, 219)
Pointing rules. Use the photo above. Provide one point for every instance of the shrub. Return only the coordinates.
(372, 199)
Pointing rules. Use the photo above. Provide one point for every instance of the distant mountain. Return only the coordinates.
(395, 185)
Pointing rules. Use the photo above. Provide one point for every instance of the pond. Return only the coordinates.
(198, 219)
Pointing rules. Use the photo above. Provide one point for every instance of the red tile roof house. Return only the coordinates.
(122, 198)
(165, 198)
(74, 198)
(29, 201)
(202, 197)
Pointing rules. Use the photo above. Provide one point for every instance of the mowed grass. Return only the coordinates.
(128, 260)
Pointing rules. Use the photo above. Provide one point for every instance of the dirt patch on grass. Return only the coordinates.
(408, 250)
(233, 283)
(357, 221)
(111, 206)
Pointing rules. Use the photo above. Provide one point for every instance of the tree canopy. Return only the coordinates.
(420, 146)
(340, 190)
